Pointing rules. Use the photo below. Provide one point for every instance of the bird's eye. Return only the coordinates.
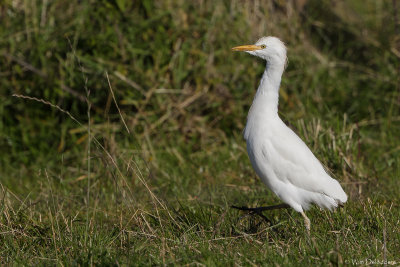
(263, 46)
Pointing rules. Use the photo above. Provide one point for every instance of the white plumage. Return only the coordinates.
(279, 157)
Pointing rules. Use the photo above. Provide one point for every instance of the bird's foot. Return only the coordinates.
(259, 209)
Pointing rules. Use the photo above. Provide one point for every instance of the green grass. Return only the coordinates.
(151, 181)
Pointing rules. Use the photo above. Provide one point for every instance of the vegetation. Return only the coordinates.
(121, 131)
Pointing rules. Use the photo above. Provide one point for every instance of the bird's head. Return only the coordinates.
(268, 48)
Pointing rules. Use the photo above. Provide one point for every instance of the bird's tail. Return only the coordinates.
(335, 191)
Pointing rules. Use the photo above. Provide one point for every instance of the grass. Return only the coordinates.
(122, 144)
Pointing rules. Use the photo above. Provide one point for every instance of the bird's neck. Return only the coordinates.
(268, 90)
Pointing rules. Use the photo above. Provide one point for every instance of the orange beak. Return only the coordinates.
(246, 48)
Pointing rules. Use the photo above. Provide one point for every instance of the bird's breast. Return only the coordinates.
(258, 126)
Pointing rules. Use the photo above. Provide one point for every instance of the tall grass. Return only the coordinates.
(123, 142)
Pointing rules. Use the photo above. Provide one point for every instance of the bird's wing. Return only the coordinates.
(293, 162)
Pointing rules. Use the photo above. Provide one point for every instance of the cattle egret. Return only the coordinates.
(279, 157)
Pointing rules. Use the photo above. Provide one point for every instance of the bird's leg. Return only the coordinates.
(306, 222)
(259, 209)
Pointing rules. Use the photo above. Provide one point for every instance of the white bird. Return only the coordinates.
(279, 157)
